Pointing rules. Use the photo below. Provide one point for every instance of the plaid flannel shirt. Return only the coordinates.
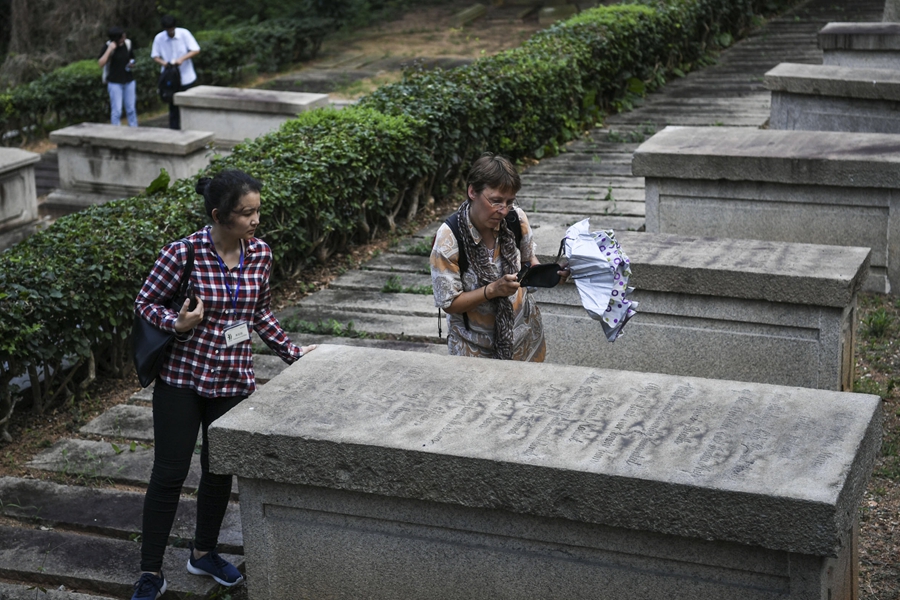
(203, 362)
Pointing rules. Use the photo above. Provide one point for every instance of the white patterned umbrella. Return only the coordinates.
(601, 270)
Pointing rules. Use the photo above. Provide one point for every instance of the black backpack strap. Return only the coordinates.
(463, 260)
(512, 221)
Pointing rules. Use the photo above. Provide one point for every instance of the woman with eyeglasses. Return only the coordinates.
(476, 256)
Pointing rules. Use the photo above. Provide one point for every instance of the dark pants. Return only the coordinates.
(175, 111)
(177, 415)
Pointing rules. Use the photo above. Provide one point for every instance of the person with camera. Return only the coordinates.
(176, 46)
(209, 368)
(475, 261)
(117, 61)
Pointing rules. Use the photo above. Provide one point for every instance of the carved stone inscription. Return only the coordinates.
(606, 420)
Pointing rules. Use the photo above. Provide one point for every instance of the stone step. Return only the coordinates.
(551, 177)
(107, 512)
(589, 204)
(392, 261)
(10, 591)
(128, 421)
(374, 281)
(92, 563)
(266, 366)
(374, 313)
(437, 347)
(91, 460)
(553, 194)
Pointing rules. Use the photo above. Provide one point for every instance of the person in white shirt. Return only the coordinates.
(176, 46)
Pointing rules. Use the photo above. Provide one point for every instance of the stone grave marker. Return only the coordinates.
(383, 474)
(815, 187)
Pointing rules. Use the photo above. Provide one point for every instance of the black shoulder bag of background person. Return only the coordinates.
(149, 344)
(169, 83)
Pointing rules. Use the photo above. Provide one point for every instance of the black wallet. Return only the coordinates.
(539, 275)
(542, 275)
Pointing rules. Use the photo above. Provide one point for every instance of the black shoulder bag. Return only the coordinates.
(149, 344)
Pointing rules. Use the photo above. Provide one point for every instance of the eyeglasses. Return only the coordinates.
(506, 205)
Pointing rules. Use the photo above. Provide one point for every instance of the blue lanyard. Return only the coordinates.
(237, 290)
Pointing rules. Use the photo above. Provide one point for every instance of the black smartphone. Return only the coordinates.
(190, 293)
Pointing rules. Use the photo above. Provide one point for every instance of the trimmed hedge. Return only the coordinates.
(75, 93)
(336, 177)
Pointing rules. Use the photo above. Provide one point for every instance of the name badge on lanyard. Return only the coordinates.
(239, 331)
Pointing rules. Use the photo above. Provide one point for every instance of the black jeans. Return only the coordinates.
(177, 415)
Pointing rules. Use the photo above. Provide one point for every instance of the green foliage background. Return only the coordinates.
(333, 178)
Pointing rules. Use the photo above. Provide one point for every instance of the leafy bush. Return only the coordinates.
(336, 177)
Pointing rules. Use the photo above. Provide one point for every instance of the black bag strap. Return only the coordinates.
(185, 275)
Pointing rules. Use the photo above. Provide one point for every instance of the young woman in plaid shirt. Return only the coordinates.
(209, 369)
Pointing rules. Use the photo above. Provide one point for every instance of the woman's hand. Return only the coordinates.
(188, 319)
(505, 286)
(307, 349)
(564, 274)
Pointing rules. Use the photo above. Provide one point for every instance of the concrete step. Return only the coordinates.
(374, 281)
(437, 347)
(392, 261)
(88, 563)
(374, 313)
(552, 194)
(108, 512)
(124, 421)
(10, 591)
(376, 303)
(266, 366)
(90, 461)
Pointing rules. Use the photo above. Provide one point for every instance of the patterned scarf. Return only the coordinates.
(481, 263)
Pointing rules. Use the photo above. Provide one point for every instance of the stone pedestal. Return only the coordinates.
(861, 45)
(236, 114)
(381, 474)
(815, 187)
(100, 162)
(829, 98)
(18, 196)
(769, 312)
(891, 11)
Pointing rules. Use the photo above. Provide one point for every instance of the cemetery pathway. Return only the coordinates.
(81, 536)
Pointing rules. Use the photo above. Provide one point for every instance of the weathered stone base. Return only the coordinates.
(830, 113)
(829, 215)
(705, 336)
(308, 542)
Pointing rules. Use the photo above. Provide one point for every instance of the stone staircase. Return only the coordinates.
(81, 536)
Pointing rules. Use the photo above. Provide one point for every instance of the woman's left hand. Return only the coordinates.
(307, 349)
(564, 274)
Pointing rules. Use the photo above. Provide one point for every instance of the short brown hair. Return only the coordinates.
(493, 171)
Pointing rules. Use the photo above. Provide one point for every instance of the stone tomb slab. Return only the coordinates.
(769, 312)
(833, 98)
(862, 45)
(814, 187)
(235, 114)
(100, 162)
(405, 475)
(18, 195)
